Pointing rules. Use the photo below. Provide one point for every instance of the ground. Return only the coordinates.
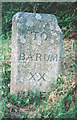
(65, 83)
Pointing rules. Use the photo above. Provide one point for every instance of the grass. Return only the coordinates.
(59, 103)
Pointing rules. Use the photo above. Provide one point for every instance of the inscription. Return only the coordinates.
(38, 57)
(33, 77)
(42, 35)
(41, 77)
(35, 35)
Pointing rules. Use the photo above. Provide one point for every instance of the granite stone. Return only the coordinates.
(37, 42)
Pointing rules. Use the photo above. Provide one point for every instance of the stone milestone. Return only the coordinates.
(36, 52)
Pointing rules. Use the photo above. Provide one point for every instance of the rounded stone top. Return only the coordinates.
(32, 19)
(17, 15)
(37, 16)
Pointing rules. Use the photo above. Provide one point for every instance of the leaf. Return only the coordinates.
(44, 106)
(23, 115)
(2, 58)
(3, 69)
(69, 98)
(26, 100)
(31, 93)
(73, 46)
(61, 86)
(40, 110)
(66, 19)
(64, 28)
(13, 97)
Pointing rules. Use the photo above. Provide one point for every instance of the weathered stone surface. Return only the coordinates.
(36, 51)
